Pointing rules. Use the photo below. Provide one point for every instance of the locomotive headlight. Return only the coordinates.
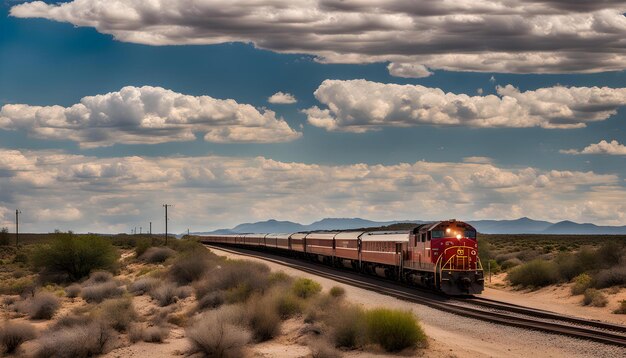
(458, 236)
(448, 230)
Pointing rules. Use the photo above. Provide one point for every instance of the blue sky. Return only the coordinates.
(47, 63)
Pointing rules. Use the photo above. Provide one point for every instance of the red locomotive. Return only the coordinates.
(441, 255)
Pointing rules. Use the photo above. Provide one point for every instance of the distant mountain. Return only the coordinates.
(519, 226)
(572, 228)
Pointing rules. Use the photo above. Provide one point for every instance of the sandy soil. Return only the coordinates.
(454, 336)
(557, 299)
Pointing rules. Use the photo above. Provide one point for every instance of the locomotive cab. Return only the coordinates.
(450, 250)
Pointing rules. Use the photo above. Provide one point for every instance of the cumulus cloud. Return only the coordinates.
(282, 98)
(603, 147)
(147, 115)
(118, 193)
(408, 70)
(360, 106)
(518, 36)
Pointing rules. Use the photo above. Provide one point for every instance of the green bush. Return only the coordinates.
(594, 298)
(348, 326)
(305, 288)
(536, 273)
(263, 319)
(510, 263)
(337, 291)
(622, 308)
(141, 246)
(75, 255)
(495, 267)
(394, 330)
(581, 284)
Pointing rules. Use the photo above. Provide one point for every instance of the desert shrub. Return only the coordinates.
(13, 334)
(119, 313)
(79, 341)
(594, 298)
(98, 277)
(71, 320)
(75, 255)
(211, 300)
(143, 285)
(217, 334)
(168, 292)
(41, 306)
(263, 319)
(155, 255)
(152, 334)
(610, 253)
(278, 277)
(510, 263)
(73, 290)
(100, 291)
(141, 246)
(505, 257)
(494, 266)
(239, 280)
(536, 273)
(529, 255)
(287, 305)
(305, 288)
(190, 266)
(322, 349)
(611, 277)
(622, 308)
(20, 286)
(394, 330)
(581, 284)
(348, 326)
(337, 291)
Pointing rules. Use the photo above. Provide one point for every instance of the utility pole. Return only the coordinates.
(150, 227)
(166, 206)
(140, 230)
(17, 227)
(151, 238)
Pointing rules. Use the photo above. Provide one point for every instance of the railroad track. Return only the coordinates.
(477, 308)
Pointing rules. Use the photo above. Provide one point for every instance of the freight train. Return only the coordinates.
(441, 255)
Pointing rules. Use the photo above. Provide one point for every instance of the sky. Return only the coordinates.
(245, 111)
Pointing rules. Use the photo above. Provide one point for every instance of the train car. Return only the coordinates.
(442, 255)
(320, 246)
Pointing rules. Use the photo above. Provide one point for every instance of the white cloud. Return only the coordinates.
(147, 115)
(360, 105)
(478, 160)
(114, 194)
(603, 147)
(282, 98)
(519, 36)
(408, 70)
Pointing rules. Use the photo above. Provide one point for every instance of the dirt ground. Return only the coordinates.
(558, 299)
(450, 335)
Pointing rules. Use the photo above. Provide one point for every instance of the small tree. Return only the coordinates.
(4, 236)
(75, 255)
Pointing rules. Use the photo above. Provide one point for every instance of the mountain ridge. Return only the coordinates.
(522, 225)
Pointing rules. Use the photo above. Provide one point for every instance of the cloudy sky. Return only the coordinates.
(242, 111)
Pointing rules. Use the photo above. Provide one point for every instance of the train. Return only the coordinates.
(442, 255)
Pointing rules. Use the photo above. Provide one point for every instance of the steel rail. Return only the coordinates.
(443, 304)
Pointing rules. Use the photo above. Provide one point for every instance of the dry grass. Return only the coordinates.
(73, 290)
(152, 334)
(143, 285)
(13, 334)
(219, 334)
(98, 292)
(322, 349)
(594, 298)
(156, 255)
(394, 330)
(42, 306)
(168, 292)
(190, 267)
(119, 313)
(79, 341)
(263, 318)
